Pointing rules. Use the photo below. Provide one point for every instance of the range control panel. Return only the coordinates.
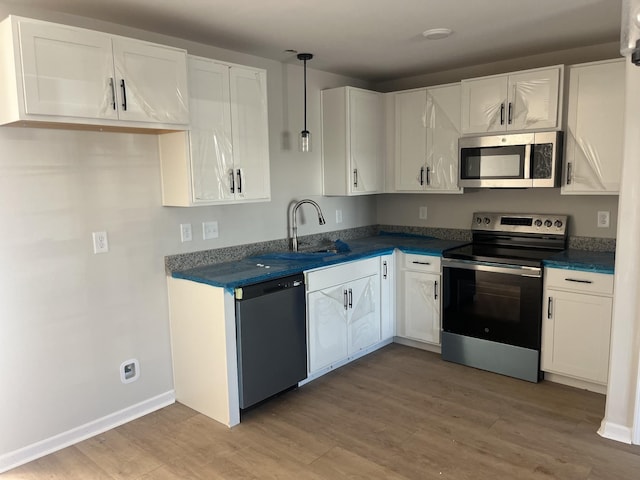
(520, 223)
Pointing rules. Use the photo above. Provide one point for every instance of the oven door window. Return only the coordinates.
(493, 162)
(493, 306)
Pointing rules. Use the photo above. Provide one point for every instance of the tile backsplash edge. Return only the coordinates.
(185, 261)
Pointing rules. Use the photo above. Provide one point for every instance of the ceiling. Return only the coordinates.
(373, 40)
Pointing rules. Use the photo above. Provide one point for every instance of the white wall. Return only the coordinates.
(69, 317)
(455, 211)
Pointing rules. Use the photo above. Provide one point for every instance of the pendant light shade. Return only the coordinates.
(305, 135)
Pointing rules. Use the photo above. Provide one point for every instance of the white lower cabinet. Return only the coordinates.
(576, 324)
(343, 312)
(419, 299)
(387, 297)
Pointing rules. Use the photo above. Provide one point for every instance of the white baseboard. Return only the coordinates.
(58, 442)
(614, 431)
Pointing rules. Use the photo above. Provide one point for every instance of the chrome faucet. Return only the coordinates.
(294, 221)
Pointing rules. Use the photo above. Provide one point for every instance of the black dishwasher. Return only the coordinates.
(271, 337)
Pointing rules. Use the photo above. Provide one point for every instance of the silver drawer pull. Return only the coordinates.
(421, 263)
(577, 280)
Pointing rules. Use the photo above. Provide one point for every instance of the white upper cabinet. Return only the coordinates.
(151, 82)
(526, 100)
(427, 127)
(56, 73)
(224, 158)
(595, 125)
(352, 132)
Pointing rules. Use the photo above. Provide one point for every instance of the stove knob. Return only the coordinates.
(487, 220)
(478, 220)
(538, 222)
(548, 223)
(558, 223)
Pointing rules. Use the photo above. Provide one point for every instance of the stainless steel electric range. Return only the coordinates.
(492, 292)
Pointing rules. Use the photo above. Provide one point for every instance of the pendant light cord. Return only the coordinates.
(304, 57)
(305, 94)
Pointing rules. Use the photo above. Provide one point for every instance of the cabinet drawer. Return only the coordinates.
(344, 272)
(575, 280)
(421, 263)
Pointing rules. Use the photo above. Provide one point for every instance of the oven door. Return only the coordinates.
(499, 303)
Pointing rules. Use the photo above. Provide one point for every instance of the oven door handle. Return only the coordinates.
(520, 270)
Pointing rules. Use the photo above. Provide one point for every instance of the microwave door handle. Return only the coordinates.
(527, 161)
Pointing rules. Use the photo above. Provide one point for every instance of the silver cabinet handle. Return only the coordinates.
(350, 298)
(239, 173)
(232, 181)
(355, 177)
(113, 92)
(345, 299)
(549, 307)
(421, 175)
(502, 113)
(384, 269)
(428, 176)
(421, 263)
(510, 114)
(124, 95)
(569, 172)
(435, 290)
(578, 280)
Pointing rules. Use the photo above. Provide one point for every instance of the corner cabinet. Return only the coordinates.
(526, 100)
(53, 73)
(352, 131)
(224, 157)
(595, 126)
(343, 312)
(576, 324)
(427, 127)
(419, 298)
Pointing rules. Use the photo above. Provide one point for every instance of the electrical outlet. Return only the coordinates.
(338, 216)
(422, 213)
(185, 232)
(129, 370)
(603, 219)
(100, 242)
(209, 230)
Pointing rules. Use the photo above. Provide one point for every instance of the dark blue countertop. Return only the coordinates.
(598, 262)
(267, 266)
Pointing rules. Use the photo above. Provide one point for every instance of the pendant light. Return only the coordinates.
(305, 135)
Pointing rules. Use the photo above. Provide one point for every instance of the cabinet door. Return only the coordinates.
(533, 100)
(213, 175)
(421, 306)
(327, 316)
(595, 124)
(387, 296)
(363, 313)
(250, 130)
(443, 131)
(66, 71)
(576, 331)
(151, 82)
(484, 104)
(411, 140)
(365, 145)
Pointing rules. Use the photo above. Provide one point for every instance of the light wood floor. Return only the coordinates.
(399, 413)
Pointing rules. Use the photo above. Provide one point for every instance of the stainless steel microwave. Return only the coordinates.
(520, 160)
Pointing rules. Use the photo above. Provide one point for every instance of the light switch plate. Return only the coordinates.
(338, 216)
(209, 230)
(422, 213)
